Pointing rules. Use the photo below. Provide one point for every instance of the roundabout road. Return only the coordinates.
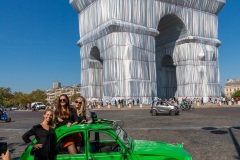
(207, 133)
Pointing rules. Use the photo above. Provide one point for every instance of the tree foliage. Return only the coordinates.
(38, 96)
(7, 98)
(236, 94)
(223, 95)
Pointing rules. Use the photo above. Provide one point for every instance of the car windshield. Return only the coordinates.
(39, 103)
(163, 103)
(122, 135)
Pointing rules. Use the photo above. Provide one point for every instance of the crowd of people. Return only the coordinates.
(201, 100)
(52, 119)
(114, 102)
(177, 100)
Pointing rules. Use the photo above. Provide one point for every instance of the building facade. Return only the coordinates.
(55, 92)
(56, 85)
(231, 86)
(140, 49)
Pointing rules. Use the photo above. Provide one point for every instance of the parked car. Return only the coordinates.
(3, 108)
(163, 107)
(38, 106)
(107, 140)
(13, 108)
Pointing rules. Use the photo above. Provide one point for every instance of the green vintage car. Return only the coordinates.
(106, 140)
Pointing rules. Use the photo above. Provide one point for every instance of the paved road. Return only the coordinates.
(207, 133)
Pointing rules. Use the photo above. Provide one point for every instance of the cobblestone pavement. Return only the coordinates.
(207, 133)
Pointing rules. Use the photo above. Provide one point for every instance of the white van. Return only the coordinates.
(38, 105)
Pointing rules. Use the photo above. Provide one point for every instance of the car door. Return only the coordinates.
(103, 146)
(62, 153)
(162, 108)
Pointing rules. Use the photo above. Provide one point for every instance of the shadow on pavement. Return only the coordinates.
(209, 128)
(215, 130)
(235, 142)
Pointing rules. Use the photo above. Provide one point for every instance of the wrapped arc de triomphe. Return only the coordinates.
(139, 49)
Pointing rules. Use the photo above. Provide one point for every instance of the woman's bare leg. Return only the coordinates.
(72, 149)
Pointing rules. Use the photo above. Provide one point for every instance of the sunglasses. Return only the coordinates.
(78, 102)
(62, 100)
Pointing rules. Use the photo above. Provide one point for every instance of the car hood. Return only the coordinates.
(154, 150)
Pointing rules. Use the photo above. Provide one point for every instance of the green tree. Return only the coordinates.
(22, 99)
(236, 94)
(223, 95)
(6, 97)
(38, 96)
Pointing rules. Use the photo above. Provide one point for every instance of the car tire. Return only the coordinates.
(154, 112)
(172, 112)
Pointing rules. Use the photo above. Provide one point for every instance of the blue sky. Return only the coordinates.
(38, 44)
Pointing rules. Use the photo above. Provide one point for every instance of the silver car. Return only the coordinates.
(163, 107)
(13, 108)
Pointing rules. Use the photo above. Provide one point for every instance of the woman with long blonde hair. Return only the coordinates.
(83, 112)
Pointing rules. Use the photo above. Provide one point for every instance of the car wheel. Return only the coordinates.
(172, 112)
(154, 113)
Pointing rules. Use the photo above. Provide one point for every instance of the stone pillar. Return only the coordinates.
(130, 105)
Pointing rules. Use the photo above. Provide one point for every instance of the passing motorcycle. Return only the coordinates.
(186, 107)
(5, 117)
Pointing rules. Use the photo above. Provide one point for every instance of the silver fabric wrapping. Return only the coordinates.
(140, 49)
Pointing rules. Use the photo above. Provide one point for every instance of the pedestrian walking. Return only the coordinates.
(202, 103)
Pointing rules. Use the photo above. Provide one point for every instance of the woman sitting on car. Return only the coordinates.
(67, 116)
(83, 112)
